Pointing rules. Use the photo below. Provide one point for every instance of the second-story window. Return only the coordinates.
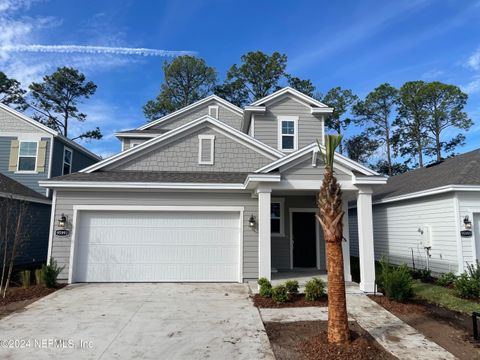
(27, 156)
(287, 133)
(67, 161)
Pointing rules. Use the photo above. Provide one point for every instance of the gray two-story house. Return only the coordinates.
(210, 192)
(31, 152)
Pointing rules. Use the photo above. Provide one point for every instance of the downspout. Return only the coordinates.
(457, 217)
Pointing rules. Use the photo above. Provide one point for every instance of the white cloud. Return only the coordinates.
(473, 61)
(472, 87)
(82, 49)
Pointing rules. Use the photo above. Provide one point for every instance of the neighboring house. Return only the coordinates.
(430, 206)
(210, 192)
(32, 249)
(31, 152)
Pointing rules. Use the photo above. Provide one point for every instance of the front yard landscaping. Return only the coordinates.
(308, 340)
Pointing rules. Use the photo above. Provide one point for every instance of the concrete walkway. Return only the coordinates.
(138, 321)
(393, 334)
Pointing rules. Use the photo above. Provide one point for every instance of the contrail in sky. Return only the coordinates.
(94, 50)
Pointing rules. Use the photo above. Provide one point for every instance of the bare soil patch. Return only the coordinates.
(295, 301)
(308, 340)
(450, 330)
(18, 298)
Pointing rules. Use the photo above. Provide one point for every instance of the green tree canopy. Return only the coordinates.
(375, 113)
(11, 93)
(55, 100)
(444, 107)
(257, 76)
(304, 86)
(411, 137)
(341, 100)
(360, 148)
(187, 79)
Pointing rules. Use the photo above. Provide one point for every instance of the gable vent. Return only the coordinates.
(206, 149)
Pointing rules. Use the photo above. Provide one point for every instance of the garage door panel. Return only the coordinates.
(157, 246)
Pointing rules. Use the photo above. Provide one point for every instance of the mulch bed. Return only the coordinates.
(295, 301)
(308, 340)
(449, 329)
(17, 298)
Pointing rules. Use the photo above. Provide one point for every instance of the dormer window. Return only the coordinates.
(213, 111)
(287, 133)
(206, 149)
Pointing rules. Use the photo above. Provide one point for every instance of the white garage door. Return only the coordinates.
(117, 246)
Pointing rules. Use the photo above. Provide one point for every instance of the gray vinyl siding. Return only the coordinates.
(34, 248)
(281, 244)
(266, 126)
(396, 225)
(12, 123)
(30, 180)
(67, 199)
(79, 159)
(304, 170)
(225, 115)
(469, 204)
(182, 155)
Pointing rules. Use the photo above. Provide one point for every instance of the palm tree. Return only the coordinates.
(330, 217)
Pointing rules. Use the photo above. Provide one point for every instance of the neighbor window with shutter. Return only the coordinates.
(27, 156)
(206, 149)
(67, 161)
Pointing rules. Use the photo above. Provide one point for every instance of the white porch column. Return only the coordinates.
(346, 244)
(264, 235)
(365, 239)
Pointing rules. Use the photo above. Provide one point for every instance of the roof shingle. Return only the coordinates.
(10, 186)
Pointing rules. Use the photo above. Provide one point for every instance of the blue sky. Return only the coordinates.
(352, 44)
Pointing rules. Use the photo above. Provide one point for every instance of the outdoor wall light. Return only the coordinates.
(252, 221)
(467, 223)
(62, 221)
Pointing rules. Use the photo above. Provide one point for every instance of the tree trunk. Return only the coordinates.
(337, 306)
(438, 147)
(420, 154)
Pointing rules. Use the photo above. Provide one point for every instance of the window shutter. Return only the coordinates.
(42, 152)
(12, 165)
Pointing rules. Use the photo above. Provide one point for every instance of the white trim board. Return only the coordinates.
(289, 90)
(78, 208)
(259, 146)
(190, 107)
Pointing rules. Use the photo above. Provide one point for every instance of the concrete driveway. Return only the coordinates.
(138, 321)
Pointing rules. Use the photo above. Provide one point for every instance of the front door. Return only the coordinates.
(304, 239)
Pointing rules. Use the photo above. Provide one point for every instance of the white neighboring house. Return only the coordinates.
(437, 206)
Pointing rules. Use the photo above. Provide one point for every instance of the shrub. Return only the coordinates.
(314, 289)
(396, 282)
(25, 278)
(280, 294)
(50, 273)
(265, 287)
(446, 279)
(467, 286)
(425, 275)
(474, 271)
(39, 277)
(292, 287)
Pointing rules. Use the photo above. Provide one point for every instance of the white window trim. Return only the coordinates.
(280, 201)
(295, 132)
(212, 149)
(134, 143)
(213, 109)
(71, 160)
(36, 157)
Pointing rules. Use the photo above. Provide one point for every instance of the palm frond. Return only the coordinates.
(331, 144)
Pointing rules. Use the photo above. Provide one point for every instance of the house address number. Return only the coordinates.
(63, 232)
(466, 233)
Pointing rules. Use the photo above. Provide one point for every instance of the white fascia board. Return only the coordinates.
(138, 135)
(138, 185)
(321, 110)
(255, 109)
(289, 90)
(370, 180)
(254, 179)
(429, 192)
(177, 131)
(28, 119)
(25, 198)
(350, 164)
(192, 106)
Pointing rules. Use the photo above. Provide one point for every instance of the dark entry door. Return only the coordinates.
(304, 239)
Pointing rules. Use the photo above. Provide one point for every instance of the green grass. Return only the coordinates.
(444, 297)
